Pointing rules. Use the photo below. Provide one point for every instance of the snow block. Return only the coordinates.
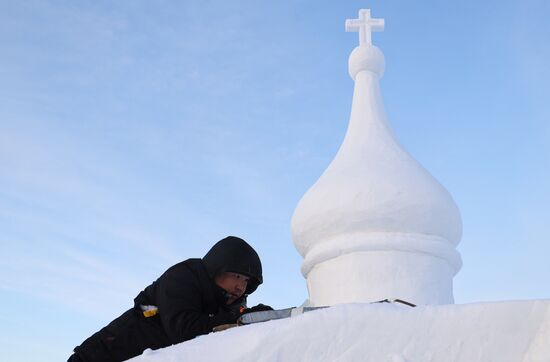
(502, 331)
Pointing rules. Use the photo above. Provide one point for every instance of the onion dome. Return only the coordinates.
(375, 204)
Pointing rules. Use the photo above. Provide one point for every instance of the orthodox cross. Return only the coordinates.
(365, 25)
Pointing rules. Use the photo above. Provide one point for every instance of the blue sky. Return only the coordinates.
(133, 135)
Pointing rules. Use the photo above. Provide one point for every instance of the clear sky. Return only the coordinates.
(135, 134)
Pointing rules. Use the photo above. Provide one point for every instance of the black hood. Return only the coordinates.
(233, 254)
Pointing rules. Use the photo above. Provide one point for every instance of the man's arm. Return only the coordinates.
(180, 304)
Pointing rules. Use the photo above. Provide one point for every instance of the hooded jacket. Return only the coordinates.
(188, 303)
(233, 254)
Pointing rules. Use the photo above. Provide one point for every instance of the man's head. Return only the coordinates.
(233, 255)
(233, 283)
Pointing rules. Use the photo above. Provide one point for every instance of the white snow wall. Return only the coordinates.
(481, 332)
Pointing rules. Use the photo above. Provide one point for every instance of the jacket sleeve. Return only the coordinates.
(181, 306)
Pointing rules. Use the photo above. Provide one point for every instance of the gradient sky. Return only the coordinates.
(135, 134)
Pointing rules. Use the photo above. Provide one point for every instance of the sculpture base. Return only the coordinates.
(369, 276)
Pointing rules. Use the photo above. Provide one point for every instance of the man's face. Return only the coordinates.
(233, 283)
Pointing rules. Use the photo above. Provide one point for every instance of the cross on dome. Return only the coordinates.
(365, 25)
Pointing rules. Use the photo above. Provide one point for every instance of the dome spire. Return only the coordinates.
(376, 224)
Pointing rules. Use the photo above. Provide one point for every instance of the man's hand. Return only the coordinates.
(258, 308)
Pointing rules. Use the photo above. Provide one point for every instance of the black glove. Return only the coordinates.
(258, 308)
(223, 317)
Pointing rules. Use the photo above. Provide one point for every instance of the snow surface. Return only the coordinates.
(502, 331)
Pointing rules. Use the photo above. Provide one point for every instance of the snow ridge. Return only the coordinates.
(501, 331)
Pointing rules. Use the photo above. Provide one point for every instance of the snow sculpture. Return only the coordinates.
(376, 224)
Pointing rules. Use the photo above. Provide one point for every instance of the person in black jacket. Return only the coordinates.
(188, 300)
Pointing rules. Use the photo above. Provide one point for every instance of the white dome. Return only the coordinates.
(373, 185)
(376, 214)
